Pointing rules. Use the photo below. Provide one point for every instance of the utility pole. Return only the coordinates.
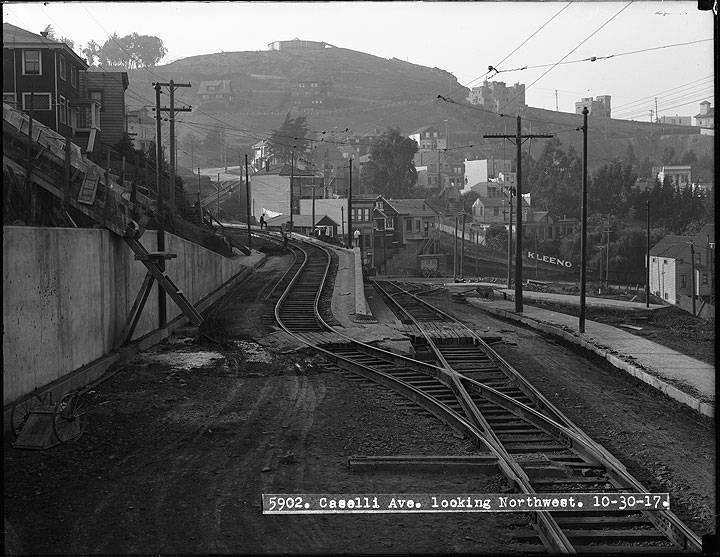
(477, 253)
(312, 228)
(509, 243)
(651, 115)
(342, 221)
(583, 233)
(162, 300)
(607, 255)
(350, 230)
(657, 114)
(556, 101)
(519, 137)
(455, 250)
(218, 198)
(462, 248)
(247, 199)
(172, 85)
(292, 176)
(692, 267)
(647, 257)
(198, 195)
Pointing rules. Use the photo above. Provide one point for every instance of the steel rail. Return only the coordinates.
(549, 531)
(664, 521)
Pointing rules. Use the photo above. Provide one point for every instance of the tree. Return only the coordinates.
(496, 237)
(290, 136)
(128, 52)
(390, 170)
(554, 180)
(50, 33)
(611, 188)
(630, 158)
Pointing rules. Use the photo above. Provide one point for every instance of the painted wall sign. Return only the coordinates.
(548, 259)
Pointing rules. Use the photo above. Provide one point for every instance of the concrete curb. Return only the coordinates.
(95, 370)
(361, 308)
(704, 408)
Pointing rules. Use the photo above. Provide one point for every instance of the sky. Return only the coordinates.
(463, 38)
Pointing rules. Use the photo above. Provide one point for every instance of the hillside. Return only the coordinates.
(368, 93)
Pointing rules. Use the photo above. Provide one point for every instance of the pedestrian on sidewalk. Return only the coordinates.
(262, 221)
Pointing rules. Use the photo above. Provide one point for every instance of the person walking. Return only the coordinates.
(262, 221)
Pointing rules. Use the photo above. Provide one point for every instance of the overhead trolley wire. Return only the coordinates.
(586, 39)
(491, 68)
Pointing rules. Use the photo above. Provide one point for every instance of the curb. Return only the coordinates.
(704, 408)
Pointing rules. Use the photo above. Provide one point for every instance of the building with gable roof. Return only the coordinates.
(219, 90)
(671, 266)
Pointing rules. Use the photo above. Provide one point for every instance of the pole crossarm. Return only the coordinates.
(167, 109)
(518, 138)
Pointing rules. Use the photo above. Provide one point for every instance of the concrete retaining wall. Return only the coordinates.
(67, 293)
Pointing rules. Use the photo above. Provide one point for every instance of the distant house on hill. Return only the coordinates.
(297, 44)
(706, 118)
(679, 175)
(600, 106)
(310, 94)
(217, 91)
(141, 128)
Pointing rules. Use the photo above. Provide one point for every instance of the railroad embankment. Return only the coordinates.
(67, 294)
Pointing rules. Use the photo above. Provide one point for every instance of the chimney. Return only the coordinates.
(44, 34)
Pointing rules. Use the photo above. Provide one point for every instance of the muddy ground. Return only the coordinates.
(181, 443)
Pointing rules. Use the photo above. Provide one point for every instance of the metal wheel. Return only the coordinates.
(21, 412)
(68, 418)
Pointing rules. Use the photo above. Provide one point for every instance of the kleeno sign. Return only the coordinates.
(548, 259)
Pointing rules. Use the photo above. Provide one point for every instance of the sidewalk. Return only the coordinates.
(680, 377)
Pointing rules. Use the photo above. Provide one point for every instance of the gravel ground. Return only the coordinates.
(182, 441)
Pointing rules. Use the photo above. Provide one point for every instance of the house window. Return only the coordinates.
(62, 110)
(683, 281)
(32, 65)
(379, 205)
(496, 211)
(417, 226)
(40, 101)
(367, 215)
(704, 278)
(408, 225)
(62, 64)
(9, 98)
(73, 76)
(664, 261)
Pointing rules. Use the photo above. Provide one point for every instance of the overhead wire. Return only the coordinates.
(586, 39)
(491, 68)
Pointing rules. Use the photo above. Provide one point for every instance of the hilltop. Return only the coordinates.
(368, 93)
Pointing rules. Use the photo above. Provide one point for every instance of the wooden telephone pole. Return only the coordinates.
(517, 139)
(171, 109)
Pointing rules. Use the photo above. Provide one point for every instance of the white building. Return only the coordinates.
(480, 172)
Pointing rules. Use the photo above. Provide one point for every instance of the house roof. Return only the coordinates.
(709, 114)
(224, 85)
(672, 247)
(415, 207)
(286, 170)
(16, 37)
(423, 129)
(491, 201)
(303, 221)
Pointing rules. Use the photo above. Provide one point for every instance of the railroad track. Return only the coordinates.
(463, 382)
(524, 422)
